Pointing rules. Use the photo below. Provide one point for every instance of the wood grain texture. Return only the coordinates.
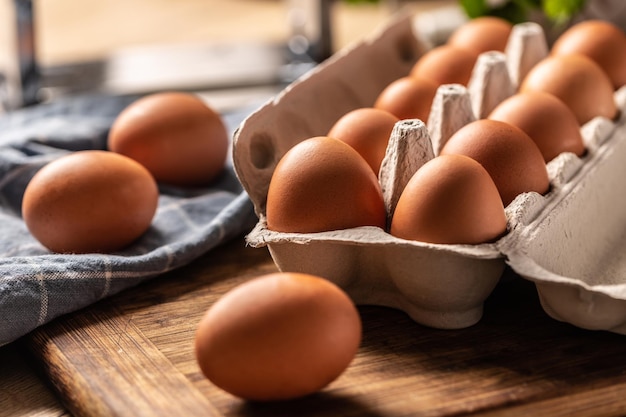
(133, 355)
(102, 365)
(22, 391)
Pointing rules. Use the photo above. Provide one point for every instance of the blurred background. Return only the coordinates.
(50, 49)
(54, 48)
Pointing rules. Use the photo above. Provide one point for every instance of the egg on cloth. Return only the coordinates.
(577, 81)
(546, 119)
(367, 130)
(278, 336)
(509, 155)
(175, 135)
(602, 41)
(90, 201)
(450, 199)
(323, 184)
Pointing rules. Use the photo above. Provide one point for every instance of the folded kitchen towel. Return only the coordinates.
(36, 285)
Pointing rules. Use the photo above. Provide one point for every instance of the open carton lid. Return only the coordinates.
(570, 242)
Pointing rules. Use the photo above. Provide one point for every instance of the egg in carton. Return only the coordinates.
(569, 241)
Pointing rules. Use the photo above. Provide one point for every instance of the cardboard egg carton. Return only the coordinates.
(569, 241)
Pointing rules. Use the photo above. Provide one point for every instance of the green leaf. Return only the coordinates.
(561, 11)
(513, 11)
(474, 8)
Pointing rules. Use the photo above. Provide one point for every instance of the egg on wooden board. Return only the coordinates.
(446, 64)
(90, 201)
(323, 184)
(450, 199)
(546, 119)
(482, 34)
(279, 336)
(511, 158)
(602, 41)
(367, 130)
(577, 81)
(175, 135)
(408, 98)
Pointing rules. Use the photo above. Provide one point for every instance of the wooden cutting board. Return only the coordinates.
(132, 355)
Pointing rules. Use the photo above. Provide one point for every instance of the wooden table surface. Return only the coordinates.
(132, 354)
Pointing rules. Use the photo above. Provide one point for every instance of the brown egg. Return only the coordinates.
(599, 40)
(279, 336)
(577, 81)
(446, 64)
(482, 34)
(323, 184)
(175, 135)
(367, 130)
(408, 98)
(546, 119)
(507, 153)
(90, 201)
(450, 199)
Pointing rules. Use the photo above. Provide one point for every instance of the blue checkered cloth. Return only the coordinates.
(36, 285)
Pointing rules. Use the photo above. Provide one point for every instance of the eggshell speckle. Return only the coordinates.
(367, 130)
(546, 119)
(323, 184)
(482, 34)
(408, 98)
(446, 64)
(577, 81)
(90, 201)
(176, 136)
(279, 336)
(599, 40)
(507, 153)
(450, 199)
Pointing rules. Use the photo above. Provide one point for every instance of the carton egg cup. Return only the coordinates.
(569, 242)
